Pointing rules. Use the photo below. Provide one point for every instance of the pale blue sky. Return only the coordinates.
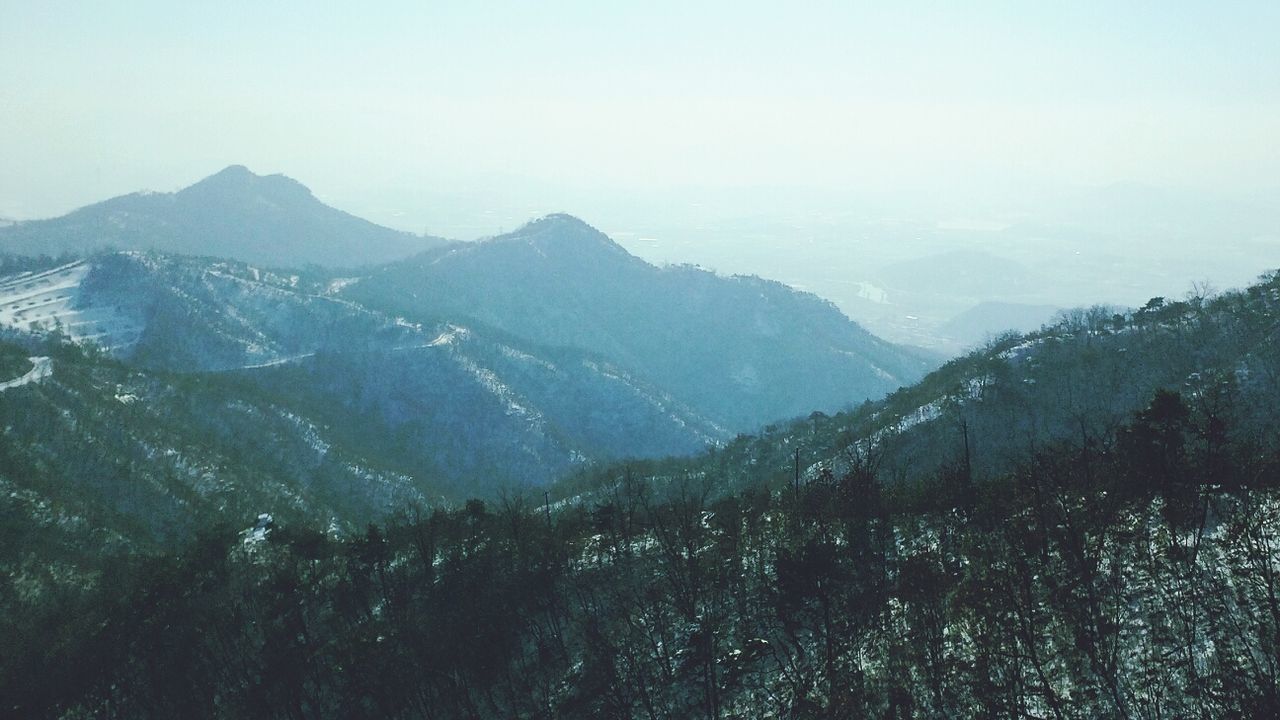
(391, 109)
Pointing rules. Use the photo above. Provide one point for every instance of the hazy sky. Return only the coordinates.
(390, 109)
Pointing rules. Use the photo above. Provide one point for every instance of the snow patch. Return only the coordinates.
(337, 285)
(259, 531)
(515, 354)
(41, 368)
(449, 336)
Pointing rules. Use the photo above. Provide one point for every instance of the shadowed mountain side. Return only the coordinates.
(741, 350)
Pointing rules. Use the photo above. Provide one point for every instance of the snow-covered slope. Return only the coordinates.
(55, 300)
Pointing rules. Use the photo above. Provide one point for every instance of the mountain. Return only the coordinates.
(269, 220)
(1075, 382)
(914, 301)
(741, 350)
(213, 388)
(144, 456)
(989, 319)
(709, 343)
(458, 410)
(96, 454)
(1075, 523)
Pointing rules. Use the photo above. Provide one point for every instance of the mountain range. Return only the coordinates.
(535, 476)
(462, 370)
(1078, 521)
(741, 349)
(270, 220)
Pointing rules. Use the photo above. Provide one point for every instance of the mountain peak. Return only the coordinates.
(561, 232)
(234, 171)
(230, 175)
(562, 220)
(240, 179)
(270, 220)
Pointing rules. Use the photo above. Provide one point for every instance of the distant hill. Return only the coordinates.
(741, 350)
(987, 319)
(271, 220)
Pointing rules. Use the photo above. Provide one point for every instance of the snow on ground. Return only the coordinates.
(53, 299)
(309, 432)
(879, 371)
(41, 368)
(525, 357)
(31, 299)
(500, 390)
(274, 362)
(1021, 349)
(449, 336)
(972, 389)
(337, 285)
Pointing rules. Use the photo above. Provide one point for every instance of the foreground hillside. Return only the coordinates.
(1074, 542)
(1062, 590)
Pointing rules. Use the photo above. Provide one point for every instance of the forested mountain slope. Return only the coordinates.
(1107, 546)
(97, 458)
(460, 405)
(741, 350)
(732, 353)
(468, 410)
(1074, 381)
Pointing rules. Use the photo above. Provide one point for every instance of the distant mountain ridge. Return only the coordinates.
(271, 220)
(743, 350)
(469, 367)
(988, 319)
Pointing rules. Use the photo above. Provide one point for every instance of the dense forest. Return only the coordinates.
(1135, 579)
(1078, 523)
